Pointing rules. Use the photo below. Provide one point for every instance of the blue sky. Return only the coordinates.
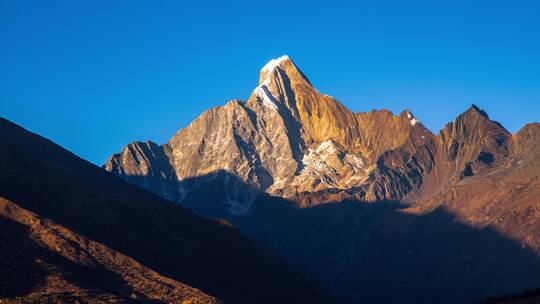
(95, 75)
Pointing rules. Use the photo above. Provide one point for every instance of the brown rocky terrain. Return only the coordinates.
(45, 262)
(367, 202)
(80, 234)
(487, 177)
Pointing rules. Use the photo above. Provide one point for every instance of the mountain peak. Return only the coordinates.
(272, 64)
(476, 109)
(475, 118)
(284, 64)
(278, 76)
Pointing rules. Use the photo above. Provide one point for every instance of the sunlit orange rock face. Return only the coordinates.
(288, 140)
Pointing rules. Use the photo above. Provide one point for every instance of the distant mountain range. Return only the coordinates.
(374, 205)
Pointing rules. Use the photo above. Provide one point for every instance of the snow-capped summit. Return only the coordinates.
(262, 91)
(285, 65)
(272, 64)
(273, 85)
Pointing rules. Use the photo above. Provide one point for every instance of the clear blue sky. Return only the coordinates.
(95, 75)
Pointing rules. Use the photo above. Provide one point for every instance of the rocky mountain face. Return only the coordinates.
(490, 178)
(366, 202)
(71, 232)
(287, 140)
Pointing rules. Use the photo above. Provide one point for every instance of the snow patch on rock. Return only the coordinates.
(264, 94)
(262, 90)
(326, 146)
(332, 166)
(412, 119)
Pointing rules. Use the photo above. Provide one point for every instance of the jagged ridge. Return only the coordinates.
(288, 140)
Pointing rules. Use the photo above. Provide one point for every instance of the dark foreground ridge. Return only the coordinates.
(45, 179)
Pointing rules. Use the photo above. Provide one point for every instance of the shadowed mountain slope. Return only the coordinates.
(386, 251)
(380, 253)
(46, 263)
(41, 177)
